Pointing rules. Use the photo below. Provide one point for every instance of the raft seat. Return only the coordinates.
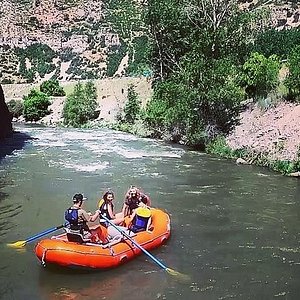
(76, 237)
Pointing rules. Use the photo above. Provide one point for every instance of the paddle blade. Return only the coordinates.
(18, 244)
(180, 276)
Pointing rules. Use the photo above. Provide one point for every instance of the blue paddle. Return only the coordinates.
(168, 270)
(20, 244)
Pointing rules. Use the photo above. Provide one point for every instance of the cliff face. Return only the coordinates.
(67, 39)
(5, 117)
(72, 39)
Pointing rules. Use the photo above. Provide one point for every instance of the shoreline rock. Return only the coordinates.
(5, 117)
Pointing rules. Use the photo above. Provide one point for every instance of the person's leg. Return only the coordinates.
(101, 233)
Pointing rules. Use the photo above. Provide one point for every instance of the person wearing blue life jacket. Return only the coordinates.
(78, 219)
(106, 208)
(133, 199)
(141, 220)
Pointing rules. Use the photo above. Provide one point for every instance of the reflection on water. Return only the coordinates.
(15, 142)
(234, 229)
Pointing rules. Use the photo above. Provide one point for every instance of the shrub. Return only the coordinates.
(292, 82)
(132, 106)
(52, 88)
(260, 74)
(279, 42)
(16, 108)
(35, 105)
(80, 105)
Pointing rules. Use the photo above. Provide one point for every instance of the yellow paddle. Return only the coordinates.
(20, 244)
(170, 271)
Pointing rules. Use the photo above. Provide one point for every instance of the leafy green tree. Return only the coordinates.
(132, 106)
(52, 88)
(279, 42)
(293, 79)
(35, 105)
(80, 105)
(260, 74)
(198, 104)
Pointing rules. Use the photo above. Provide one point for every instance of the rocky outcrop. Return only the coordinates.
(5, 117)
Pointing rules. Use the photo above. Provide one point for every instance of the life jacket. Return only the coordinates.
(140, 220)
(132, 204)
(103, 208)
(71, 215)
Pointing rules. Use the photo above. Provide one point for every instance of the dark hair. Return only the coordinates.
(106, 194)
(78, 197)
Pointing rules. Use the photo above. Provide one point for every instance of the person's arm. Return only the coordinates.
(94, 216)
(110, 211)
(148, 224)
(125, 210)
(84, 215)
(148, 200)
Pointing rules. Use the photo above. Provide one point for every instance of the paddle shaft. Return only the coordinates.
(32, 238)
(135, 243)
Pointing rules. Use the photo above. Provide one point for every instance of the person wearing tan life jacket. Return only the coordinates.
(78, 219)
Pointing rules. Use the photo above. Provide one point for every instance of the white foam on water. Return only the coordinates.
(87, 168)
(82, 149)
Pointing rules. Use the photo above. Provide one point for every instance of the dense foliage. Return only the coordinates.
(132, 106)
(195, 60)
(36, 59)
(260, 75)
(35, 105)
(52, 88)
(80, 106)
(276, 42)
(293, 79)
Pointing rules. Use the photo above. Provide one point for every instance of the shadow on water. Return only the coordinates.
(15, 142)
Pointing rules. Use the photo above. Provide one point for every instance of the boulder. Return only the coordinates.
(5, 117)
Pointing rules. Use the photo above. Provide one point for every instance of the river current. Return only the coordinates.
(234, 229)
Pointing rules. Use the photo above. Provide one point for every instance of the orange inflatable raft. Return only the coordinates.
(59, 251)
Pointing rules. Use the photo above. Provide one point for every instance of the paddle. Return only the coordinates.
(20, 244)
(168, 270)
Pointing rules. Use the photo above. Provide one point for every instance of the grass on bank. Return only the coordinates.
(220, 148)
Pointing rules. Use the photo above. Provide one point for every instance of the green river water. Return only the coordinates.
(234, 229)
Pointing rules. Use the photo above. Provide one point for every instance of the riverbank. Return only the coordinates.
(273, 133)
(112, 96)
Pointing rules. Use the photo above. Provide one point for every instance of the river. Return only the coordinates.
(234, 229)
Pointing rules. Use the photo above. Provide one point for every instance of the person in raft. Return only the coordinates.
(78, 219)
(106, 208)
(133, 199)
(141, 220)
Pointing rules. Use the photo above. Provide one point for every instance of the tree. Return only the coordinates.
(35, 105)
(132, 106)
(81, 105)
(293, 80)
(260, 74)
(52, 88)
